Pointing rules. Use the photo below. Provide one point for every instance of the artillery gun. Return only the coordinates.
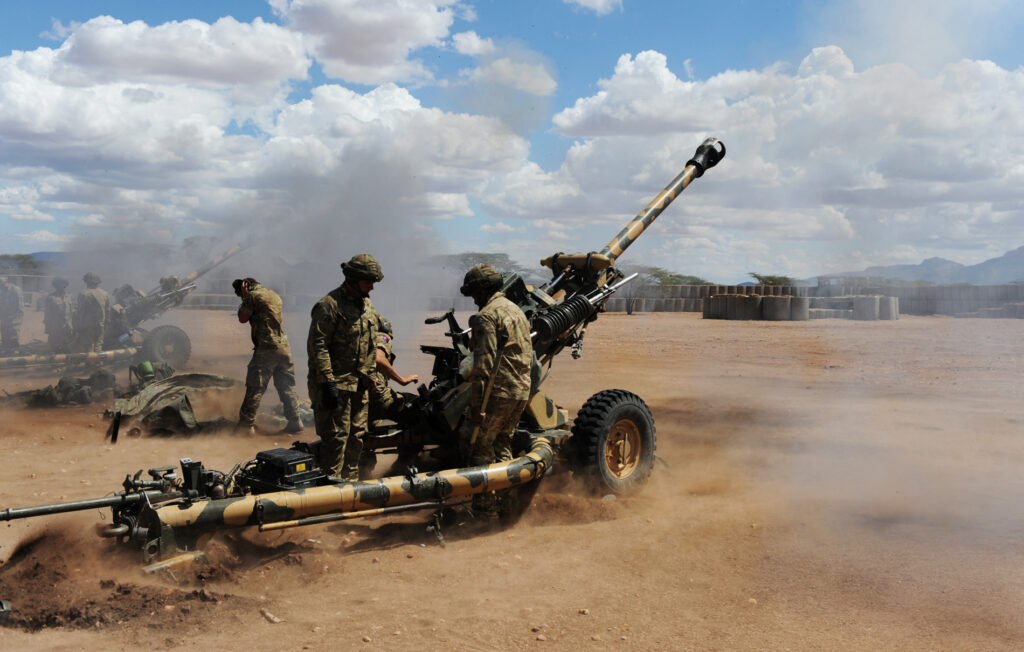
(610, 444)
(125, 338)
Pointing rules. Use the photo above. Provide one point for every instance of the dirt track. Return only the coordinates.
(824, 485)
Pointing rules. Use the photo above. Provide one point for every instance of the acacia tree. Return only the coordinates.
(769, 279)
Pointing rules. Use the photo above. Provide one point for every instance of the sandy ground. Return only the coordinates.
(821, 485)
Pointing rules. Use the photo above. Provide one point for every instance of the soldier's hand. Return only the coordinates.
(329, 395)
(409, 379)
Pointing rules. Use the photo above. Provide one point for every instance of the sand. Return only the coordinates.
(820, 485)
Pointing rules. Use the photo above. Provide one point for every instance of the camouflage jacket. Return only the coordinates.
(265, 319)
(11, 308)
(500, 317)
(92, 309)
(57, 312)
(342, 340)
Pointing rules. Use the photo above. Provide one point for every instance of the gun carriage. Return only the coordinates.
(610, 443)
(125, 337)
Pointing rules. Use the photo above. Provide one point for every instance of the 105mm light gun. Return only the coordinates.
(610, 444)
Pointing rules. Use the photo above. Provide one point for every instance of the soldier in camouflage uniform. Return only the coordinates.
(342, 363)
(11, 314)
(385, 402)
(271, 355)
(58, 311)
(92, 314)
(495, 423)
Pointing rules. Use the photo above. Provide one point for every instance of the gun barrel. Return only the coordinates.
(710, 152)
(113, 355)
(185, 280)
(13, 513)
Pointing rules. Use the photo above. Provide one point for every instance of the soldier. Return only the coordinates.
(385, 402)
(57, 313)
(502, 348)
(271, 354)
(92, 314)
(11, 314)
(342, 363)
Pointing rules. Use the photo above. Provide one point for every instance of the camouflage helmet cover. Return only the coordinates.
(480, 277)
(59, 282)
(363, 267)
(91, 278)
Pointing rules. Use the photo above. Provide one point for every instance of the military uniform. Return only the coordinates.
(271, 357)
(58, 311)
(11, 315)
(499, 318)
(92, 314)
(385, 402)
(342, 363)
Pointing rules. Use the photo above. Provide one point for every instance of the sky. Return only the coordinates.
(858, 132)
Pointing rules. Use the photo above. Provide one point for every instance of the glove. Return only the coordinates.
(329, 395)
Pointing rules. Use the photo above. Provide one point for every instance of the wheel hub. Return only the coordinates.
(622, 449)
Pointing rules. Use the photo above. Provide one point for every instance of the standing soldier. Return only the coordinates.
(57, 314)
(271, 354)
(342, 362)
(92, 314)
(11, 314)
(502, 355)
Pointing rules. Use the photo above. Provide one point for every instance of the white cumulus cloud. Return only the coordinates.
(370, 42)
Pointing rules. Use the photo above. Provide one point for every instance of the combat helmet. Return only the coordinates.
(59, 282)
(91, 279)
(480, 277)
(362, 267)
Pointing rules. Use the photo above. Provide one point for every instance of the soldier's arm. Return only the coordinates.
(485, 346)
(245, 310)
(385, 367)
(323, 322)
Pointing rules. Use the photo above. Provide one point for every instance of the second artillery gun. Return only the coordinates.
(125, 338)
(610, 443)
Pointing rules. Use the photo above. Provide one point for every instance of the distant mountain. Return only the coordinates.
(1008, 268)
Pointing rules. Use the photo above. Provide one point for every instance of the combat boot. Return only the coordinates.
(293, 427)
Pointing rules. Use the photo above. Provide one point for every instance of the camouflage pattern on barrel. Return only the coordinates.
(105, 357)
(188, 278)
(707, 156)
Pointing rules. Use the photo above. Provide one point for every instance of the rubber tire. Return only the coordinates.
(168, 344)
(590, 433)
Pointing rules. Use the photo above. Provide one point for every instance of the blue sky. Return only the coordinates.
(859, 133)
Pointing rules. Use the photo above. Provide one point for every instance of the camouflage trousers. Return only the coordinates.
(89, 339)
(341, 431)
(264, 366)
(9, 333)
(386, 404)
(60, 342)
(493, 442)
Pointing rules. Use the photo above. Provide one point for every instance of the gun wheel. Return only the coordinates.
(168, 344)
(614, 441)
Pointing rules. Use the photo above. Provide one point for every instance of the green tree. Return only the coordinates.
(20, 263)
(769, 279)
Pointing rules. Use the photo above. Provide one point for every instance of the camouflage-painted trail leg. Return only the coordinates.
(256, 379)
(284, 382)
